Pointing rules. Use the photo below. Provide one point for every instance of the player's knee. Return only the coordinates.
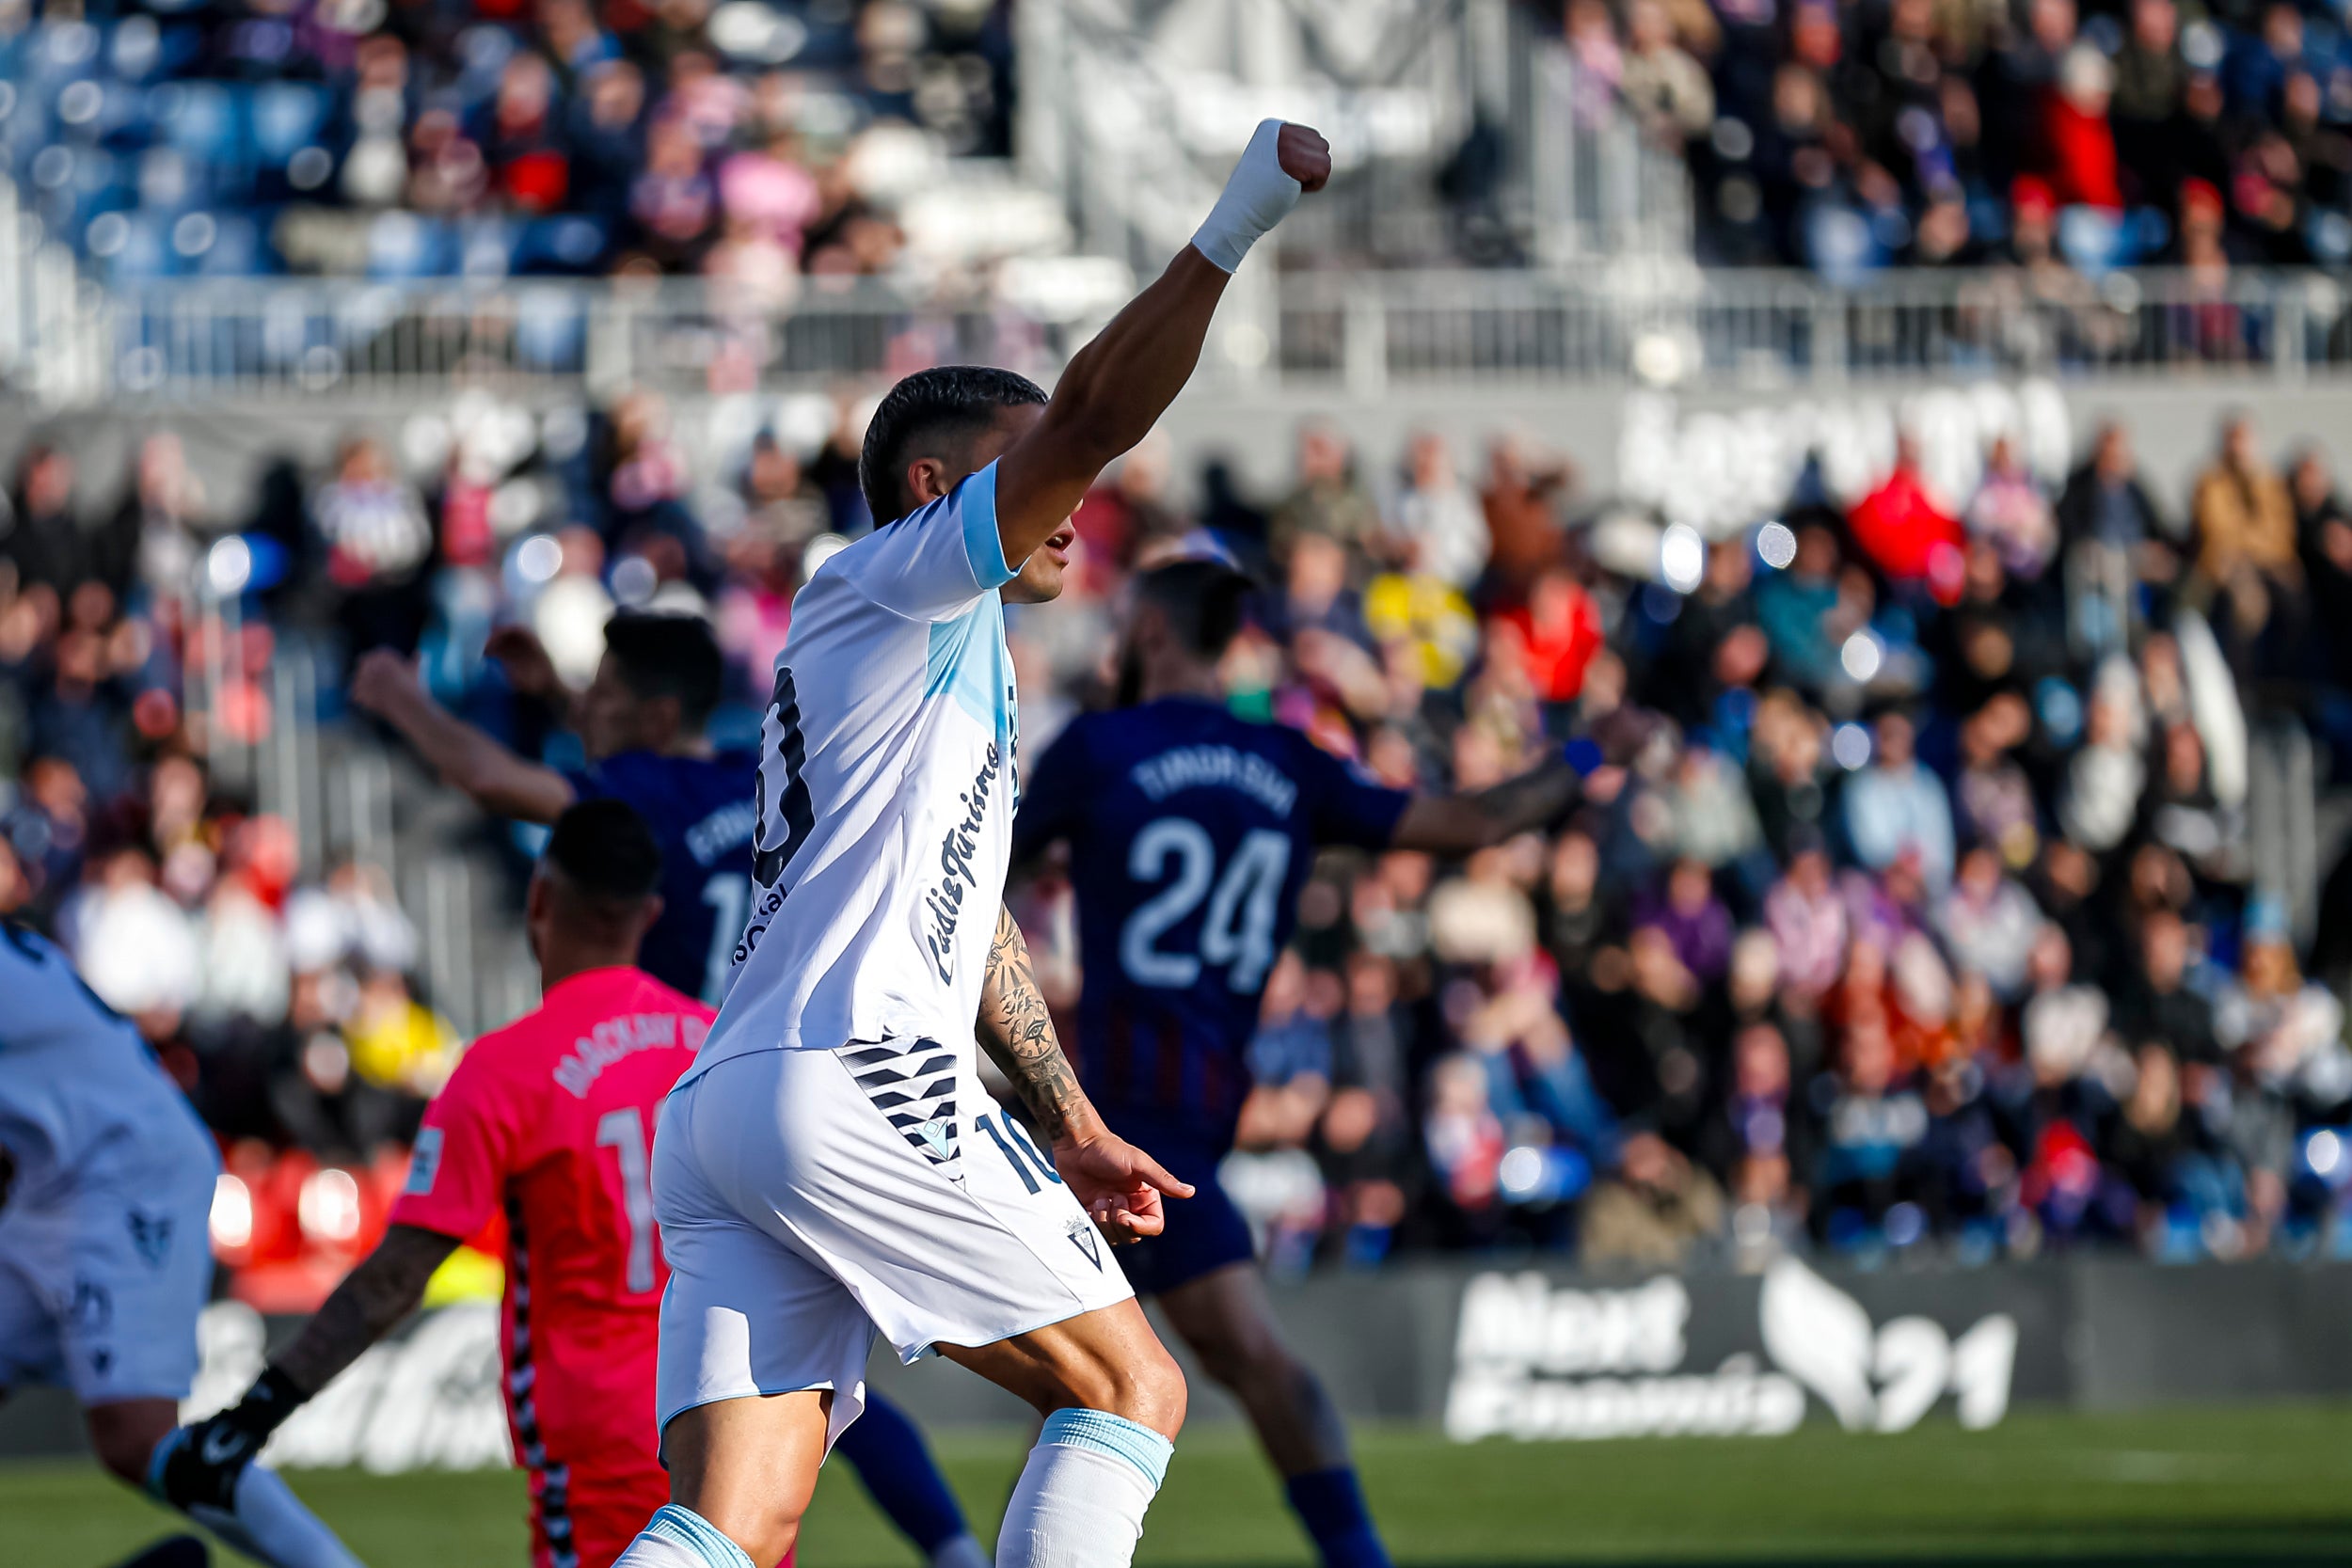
(1146, 1388)
(764, 1528)
(1160, 1395)
(123, 1436)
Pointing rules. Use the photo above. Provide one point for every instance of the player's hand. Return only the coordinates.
(198, 1466)
(1119, 1185)
(382, 680)
(1304, 156)
(529, 670)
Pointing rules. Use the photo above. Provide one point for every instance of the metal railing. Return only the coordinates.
(1643, 322)
(265, 338)
(1666, 325)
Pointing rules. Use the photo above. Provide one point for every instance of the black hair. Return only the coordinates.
(605, 852)
(669, 655)
(944, 403)
(1204, 601)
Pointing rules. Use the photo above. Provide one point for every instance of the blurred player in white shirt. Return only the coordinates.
(831, 1166)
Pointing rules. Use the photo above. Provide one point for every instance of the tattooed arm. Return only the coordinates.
(1117, 1183)
(204, 1461)
(368, 1304)
(1018, 1035)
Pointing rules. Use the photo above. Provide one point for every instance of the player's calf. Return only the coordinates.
(741, 1474)
(1303, 1435)
(1225, 1317)
(1113, 1400)
(1083, 1494)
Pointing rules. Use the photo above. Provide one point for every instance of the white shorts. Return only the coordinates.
(102, 1280)
(808, 1198)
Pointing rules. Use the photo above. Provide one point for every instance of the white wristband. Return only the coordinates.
(1256, 198)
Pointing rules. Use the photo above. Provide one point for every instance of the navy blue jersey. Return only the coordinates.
(701, 813)
(1190, 833)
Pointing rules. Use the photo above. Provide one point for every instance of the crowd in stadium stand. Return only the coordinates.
(495, 136)
(2055, 137)
(1911, 907)
(768, 144)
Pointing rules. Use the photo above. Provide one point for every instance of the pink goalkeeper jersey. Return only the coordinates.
(550, 1119)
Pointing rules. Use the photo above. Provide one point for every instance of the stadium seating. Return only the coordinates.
(173, 142)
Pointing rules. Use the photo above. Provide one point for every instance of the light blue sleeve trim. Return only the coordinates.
(983, 545)
(1115, 1436)
(686, 1528)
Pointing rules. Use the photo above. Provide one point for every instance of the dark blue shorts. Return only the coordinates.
(1205, 1232)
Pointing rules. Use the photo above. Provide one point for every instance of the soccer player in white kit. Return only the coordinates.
(831, 1166)
(105, 1255)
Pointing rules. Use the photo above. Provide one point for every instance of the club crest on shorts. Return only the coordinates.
(938, 1137)
(92, 1311)
(1084, 1237)
(151, 1234)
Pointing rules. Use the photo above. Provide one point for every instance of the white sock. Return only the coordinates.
(271, 1523)
(961, 1551)
(1081, 1498)
(678, 1537)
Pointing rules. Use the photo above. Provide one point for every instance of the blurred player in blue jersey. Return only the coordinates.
(105, 1255)
(1190, 833)
(641, 723)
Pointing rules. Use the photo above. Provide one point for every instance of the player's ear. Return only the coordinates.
(928, 478)
(647, 912)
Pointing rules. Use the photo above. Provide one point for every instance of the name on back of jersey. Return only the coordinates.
(617, 1037)
(722, 832)
(1215, 767)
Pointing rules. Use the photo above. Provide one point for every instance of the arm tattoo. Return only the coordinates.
(1018, 1034)
(368, 1304)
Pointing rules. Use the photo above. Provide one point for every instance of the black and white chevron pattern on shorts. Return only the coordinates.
(914, 1083)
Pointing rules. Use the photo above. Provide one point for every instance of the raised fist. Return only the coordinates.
(381, 679)
(1304, 156)
(529, 670)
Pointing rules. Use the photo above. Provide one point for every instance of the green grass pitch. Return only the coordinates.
(2267, 1486)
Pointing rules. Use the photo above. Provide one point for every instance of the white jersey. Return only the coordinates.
(832, 1164)
(886, 785)
(74, 1078)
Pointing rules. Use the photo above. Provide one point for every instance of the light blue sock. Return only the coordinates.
(678, 1537)
(1082, 1495)
(270, 1525)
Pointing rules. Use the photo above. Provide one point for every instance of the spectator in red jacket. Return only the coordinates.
(2076, 128)
(1555, 635)
(1906, 530)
